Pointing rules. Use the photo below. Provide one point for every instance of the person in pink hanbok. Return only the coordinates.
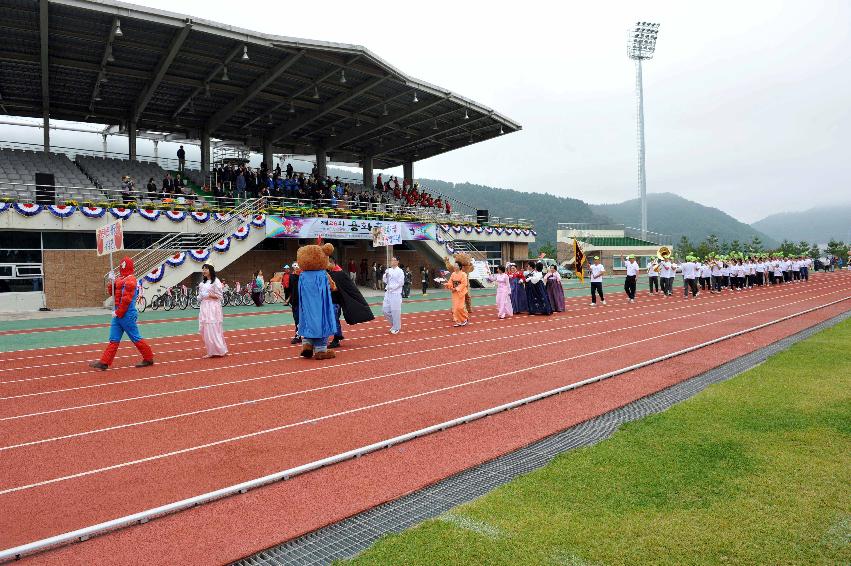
(210, 316)
(503, 292)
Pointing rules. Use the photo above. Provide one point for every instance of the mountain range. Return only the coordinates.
(814, 225)
(667, 213)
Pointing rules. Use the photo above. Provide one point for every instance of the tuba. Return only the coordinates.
(664, 252)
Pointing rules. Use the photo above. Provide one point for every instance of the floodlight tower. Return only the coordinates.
(640, 46)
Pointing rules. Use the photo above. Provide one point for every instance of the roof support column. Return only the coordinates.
(408, 171)
(104, 145)
(45, 72)
(322, 162)
(131, 138)
(46, 127)
(205, 153)
(367, 171)
(268, 158)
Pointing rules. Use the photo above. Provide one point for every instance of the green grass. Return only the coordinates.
(756, 470)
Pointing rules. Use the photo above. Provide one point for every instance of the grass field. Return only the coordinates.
(756, 470)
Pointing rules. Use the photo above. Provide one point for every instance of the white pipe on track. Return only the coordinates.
(144, 516)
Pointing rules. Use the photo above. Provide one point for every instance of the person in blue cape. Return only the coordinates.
(317, 319)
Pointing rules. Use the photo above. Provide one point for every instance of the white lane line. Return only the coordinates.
(536, 322)
(374, 378)
(363, 408)
(352, 333)
(229, 334)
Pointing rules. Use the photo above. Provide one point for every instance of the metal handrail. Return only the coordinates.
(24, 192)
(154, 256)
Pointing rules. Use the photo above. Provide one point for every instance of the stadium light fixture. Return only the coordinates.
(269, 122)
(103, 80)
(315, 93)
(333, 132)
(206, 90)
(357, 122)
(641, 46)
(434, 127)
(342, 76)
(225, 76)
(191, 107)
(385, 110)
(415, 98)
(109, 57)
(292, 107)
(501, 130)
(118, 32)
(471, 137)
(466, 114)
(245, 53)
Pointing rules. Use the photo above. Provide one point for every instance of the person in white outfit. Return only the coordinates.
(394, 279)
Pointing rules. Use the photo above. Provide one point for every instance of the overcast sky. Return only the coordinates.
(747, 104)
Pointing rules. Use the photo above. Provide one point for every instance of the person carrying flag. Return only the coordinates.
(124, 291)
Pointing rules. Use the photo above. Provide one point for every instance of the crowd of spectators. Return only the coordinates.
(175, 188)
(240, 181)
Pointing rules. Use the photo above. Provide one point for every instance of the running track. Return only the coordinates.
(79, 447)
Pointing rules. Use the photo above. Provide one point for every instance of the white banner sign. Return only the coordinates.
(110, 238)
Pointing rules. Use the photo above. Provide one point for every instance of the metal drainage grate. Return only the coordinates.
(348, 537)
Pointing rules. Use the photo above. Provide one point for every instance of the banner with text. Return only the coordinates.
(347, 229)
(110, 238)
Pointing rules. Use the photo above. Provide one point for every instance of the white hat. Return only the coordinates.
(295, 265)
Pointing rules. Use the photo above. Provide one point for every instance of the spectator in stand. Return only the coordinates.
(126, 189)
(289, 171)
(240, 183)
(181, 159)
(168, 185)
(219, 194)
(379, 183)
(152, 189)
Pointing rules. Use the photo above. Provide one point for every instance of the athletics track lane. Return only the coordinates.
(705, 311)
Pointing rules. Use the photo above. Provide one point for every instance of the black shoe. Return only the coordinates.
(99, 365)
(335, 343)
(296, 340)
(145, 363)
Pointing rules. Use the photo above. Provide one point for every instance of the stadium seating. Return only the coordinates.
(107, 173)
(18, 168)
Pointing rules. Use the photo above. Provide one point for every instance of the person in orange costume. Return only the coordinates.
(458, 284)
(124, 291)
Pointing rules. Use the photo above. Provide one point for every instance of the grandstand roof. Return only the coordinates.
(167, 72)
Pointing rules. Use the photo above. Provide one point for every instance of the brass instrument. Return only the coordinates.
(664, 252)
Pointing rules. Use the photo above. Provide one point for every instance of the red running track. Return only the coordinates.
(80, 447)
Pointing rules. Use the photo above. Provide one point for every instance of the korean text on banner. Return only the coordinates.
(110, 238)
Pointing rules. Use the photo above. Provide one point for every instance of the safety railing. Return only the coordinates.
(214, 230)
(141, 198)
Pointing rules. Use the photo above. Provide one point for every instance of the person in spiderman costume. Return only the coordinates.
(124, 290)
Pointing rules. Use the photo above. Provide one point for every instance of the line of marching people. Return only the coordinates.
(715, 274)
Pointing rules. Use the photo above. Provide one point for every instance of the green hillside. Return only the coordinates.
(545, 210)
(814, 225)
(668, 213)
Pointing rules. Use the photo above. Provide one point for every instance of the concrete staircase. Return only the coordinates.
(170, 260)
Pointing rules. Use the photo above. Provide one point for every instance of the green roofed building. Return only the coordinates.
(610, 242)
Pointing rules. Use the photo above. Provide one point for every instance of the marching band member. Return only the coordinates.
(689, 273)
(631, 276)
(667, 273)
(597, 271)
(653, 275)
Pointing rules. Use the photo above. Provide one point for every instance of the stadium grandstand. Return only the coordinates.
(293, 105)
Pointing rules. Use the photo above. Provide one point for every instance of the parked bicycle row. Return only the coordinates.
(180, 297)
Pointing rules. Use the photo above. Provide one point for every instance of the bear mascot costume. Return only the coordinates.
(316, 317)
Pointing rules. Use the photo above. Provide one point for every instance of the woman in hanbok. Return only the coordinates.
(555, 291)
(518, 291)
(503, 292)
(458, 284)
(210, 316)
(536, 292)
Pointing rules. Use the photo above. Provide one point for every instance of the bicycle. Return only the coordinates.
(158, 299)
(141, 301)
